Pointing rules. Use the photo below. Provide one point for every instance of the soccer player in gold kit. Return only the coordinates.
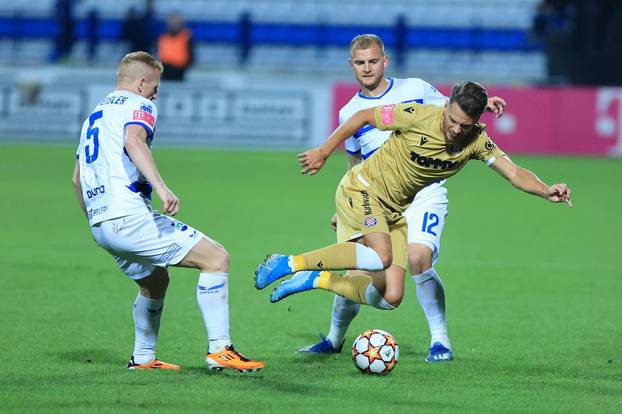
(428, 144)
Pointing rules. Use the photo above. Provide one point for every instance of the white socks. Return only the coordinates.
(344, 311)
(375, 299)
(431, 295)
(213, 300)
(147, 314)
(367, 258)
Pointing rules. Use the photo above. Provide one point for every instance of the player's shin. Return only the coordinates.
(147, 313)
(347, 255)
(344, 311)
(213, 300)
(356, 287)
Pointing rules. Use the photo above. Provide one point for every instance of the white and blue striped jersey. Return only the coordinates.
(368, 139)
(112, 186)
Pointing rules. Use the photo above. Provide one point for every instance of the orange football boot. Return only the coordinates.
(229, 358)
(155, 364)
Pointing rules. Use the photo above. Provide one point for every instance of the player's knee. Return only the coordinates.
(216, 262)
(386, 257)
(419, 261)
(394, 297)
(155, 285)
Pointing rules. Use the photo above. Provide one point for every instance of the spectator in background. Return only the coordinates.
(65, 24)
(176, 49)
(554, 26)
(92, 34)
(137, 28)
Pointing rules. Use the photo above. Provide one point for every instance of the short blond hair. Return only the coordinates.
(132, 63)
(364, 41)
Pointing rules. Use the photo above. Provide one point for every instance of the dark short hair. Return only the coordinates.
(471, 97)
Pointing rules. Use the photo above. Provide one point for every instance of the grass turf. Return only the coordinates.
(533, 295)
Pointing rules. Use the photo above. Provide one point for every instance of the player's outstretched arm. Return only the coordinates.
(313, 160)
(77, 187)
(140, 154)
(496, 105)
(527, 181)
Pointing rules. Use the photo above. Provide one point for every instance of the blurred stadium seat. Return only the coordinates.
(313, 36)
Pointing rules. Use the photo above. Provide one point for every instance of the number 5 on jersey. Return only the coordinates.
(92, 133)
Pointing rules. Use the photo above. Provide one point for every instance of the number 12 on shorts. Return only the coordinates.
(430, 220)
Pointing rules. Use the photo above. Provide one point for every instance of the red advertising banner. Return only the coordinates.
(545, 120)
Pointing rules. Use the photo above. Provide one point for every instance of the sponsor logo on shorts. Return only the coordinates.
(179, 225)
(370, 221)
(386, 114)
(170, 253)
(435, 163)
(366, 206)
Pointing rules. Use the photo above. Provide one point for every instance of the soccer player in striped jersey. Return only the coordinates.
(113, 178)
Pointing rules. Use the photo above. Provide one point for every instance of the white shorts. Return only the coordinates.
(426, 218)
(141, 242)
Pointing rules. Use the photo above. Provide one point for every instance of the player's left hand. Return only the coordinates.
(559, 193)
(312, 160)
(496, 105)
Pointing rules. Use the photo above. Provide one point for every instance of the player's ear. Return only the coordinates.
(140, 83)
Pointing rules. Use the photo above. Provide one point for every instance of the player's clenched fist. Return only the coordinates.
(559, 193)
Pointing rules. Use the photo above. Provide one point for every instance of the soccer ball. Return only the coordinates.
(375, 352)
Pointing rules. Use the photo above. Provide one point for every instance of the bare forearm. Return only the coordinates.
(140, 154)
(78, 190)
(77, 187)
(527, 181)
(347, 129)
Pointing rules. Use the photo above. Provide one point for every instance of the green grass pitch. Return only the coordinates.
(534, 295)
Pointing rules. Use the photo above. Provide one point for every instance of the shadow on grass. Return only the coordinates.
(91, 356)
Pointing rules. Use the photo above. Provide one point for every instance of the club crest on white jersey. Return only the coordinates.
(111, 184)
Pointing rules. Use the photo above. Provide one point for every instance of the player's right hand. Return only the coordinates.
(312, 160)
(333, 222)
(559, 193)
(170, 202)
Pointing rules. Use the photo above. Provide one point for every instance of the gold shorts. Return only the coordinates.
(360, 213)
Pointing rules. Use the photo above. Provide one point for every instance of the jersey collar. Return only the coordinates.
(380, 96)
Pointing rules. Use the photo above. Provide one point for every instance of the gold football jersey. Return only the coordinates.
(417, 153)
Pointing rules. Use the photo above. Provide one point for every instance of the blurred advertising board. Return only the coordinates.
(544, 120)
(266, 114)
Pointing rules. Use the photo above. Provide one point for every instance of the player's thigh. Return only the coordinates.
(207, 255)
(141, 242)
(426, 222)
(358, 212)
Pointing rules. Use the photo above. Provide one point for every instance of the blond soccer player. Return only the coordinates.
(113, 178)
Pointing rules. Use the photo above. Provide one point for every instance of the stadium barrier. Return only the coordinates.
(545, 120)
(223, 112)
